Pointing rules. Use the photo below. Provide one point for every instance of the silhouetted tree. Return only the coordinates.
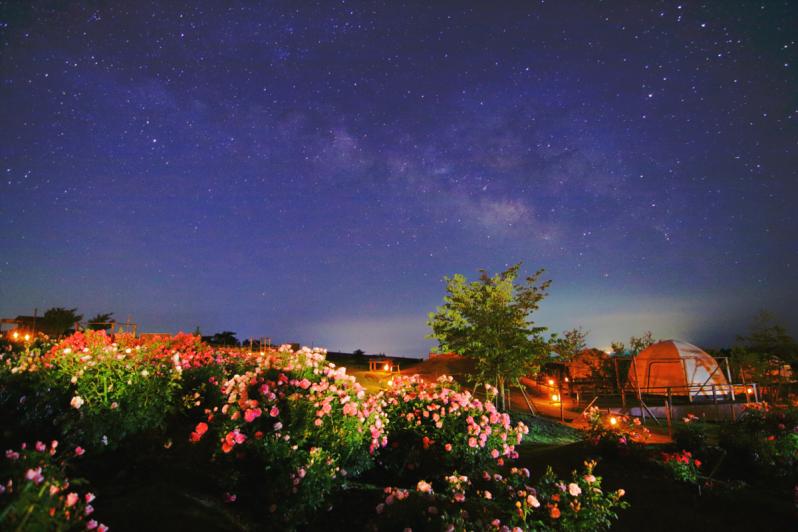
(570, 344)
(101, 322)
(226, 338)
(58, 320)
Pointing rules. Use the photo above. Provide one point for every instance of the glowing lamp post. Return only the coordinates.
(613, 421)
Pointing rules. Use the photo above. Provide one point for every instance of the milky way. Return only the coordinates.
(310, 172)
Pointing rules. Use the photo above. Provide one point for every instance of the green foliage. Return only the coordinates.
(224, 338)
(765, 439)
(292, 429)
(35, 493)
(101, 322)
(58, 320)
(437, 427)
(489, 321)
(499, 502)
(570, 344)
(118, 398)
(761, 355)
(682, 466)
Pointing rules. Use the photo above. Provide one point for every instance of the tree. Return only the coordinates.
(58, 320)
(769, 339)
(636, 344)
(762, 355)
(489, 320)
(101, 322)
(222, 338)
(570, 344)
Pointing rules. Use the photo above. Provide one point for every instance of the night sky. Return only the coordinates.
(310, 172)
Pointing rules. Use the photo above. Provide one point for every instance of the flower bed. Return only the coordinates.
(435, 426)
(503, 502)
(302, 423)
(35, 493)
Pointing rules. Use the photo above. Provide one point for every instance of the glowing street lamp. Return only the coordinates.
(27, 338)
(15, 335)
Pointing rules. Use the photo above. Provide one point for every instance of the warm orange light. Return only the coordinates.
(390, 382)
(749, 390)
(551, 382)
(15, 334)
(555, 397)
(566, 379)
(613, 421)
(386, 367)
(27, 337)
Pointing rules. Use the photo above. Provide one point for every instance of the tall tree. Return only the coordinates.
(570, 344)
(225, 338)
(58, 320)
(101, 322)
(638, 343)
(769, 339)
(489, 320)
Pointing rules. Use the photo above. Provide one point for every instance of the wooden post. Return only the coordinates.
(618, 382)
(668, 415)
(670, 406)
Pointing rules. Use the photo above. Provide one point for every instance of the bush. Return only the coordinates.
(494, 502)
(682, 466)
(614, 434)
(692, 434)
(115, 392)
(293, 428)
(35, 493)
(766, 439)
(436, 428)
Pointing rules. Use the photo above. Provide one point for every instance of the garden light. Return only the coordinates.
(555, 397)
(749, 391)
(551, 382)
(613, 421)
(27, 337)
(386, 367)
(15, 335)
(566, 379)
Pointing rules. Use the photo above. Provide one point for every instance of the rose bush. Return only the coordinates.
(492, 501)
(35, 493)
(436, 427)
(765, 438)
(115, 391)
(614, 433)
(682, 466)
(294, 428)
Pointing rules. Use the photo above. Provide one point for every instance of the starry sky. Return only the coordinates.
(310, 171)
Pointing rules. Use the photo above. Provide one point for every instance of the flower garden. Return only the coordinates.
(219, 439)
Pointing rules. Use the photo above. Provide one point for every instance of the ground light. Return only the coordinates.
(613, 421)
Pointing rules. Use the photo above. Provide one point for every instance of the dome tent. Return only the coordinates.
(680, 366)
